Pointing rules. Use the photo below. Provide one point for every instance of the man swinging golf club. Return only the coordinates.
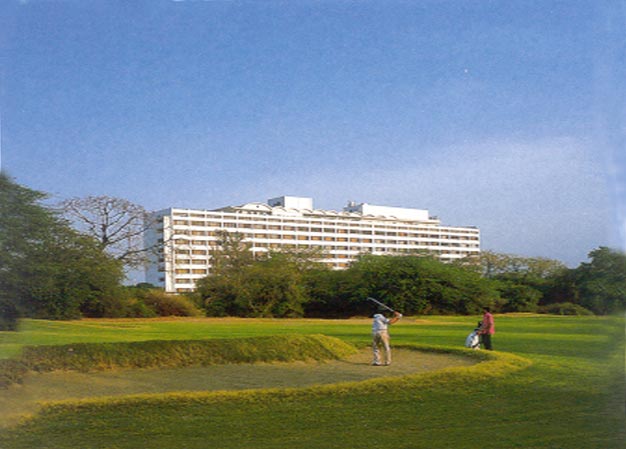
(380, 333)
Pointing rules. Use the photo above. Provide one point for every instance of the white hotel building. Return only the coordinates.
(186, 238)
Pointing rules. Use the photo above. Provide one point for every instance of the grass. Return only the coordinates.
(88, 357)
(176, 353)
(571, 395)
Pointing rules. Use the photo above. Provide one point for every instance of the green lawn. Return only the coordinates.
(572, 396)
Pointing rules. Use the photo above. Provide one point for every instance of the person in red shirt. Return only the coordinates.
(487, 329)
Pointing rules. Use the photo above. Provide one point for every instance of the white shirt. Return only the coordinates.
(380, 323)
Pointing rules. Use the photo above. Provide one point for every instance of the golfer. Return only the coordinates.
(380, 334)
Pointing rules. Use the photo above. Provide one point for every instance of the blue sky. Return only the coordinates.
(508, 116)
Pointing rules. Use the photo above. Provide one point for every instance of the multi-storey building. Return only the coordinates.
(186, 238)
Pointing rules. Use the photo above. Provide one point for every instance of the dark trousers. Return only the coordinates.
(486, 340)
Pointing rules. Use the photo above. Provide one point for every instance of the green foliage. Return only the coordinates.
(564, 308)
(47, 269)
(270, 287)
(164, 304)
(412, 284)
(598, 285)
(526, 283)
(232, 254)
(141, 302)
(332, 294)
(496, 265)
(519, 297)
(121, 305)
(282, 285)
(79, 273)
(602, 282)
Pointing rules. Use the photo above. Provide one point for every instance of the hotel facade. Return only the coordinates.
(185, 239)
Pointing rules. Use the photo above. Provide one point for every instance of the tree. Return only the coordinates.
(272, 288)
(232, 254)
(117, 224)
(496, 265)
(519, 297)
(268, 287)
(332, 293)
(598, 286)
(71, 275)
(47, 269)
(602, 281)
(22, 228)
(523, 282)
(422, 284)
(263, 285)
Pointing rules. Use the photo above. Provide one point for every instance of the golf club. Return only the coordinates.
(380, 304)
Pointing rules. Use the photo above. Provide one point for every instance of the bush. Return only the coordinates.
(139, 309)
(163, 304)
(121, 305)
(565, 308)
(133, 302)
(519, 297)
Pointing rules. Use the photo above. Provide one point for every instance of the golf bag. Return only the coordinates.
(473, 340)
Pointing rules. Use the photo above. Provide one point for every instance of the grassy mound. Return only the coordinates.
(87, 357)
(492, 364)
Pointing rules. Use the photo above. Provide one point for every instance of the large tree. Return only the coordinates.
(242, 284)
(23, 228)
(522, 282)
(232, 254)
(602, 281)
(412, 284)
(423, 284)
(117, 224)
(47, 269)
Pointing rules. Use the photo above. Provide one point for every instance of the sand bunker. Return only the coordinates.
(19, 400)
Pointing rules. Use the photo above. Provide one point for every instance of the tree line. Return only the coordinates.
(68, 262)
(290, 284)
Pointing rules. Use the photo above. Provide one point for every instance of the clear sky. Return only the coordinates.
(506, 115)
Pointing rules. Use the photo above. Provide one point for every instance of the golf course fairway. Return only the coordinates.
(553, 382)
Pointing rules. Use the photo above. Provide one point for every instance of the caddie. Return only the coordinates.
(380, 335)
